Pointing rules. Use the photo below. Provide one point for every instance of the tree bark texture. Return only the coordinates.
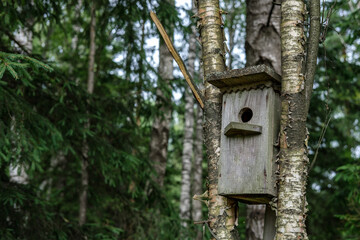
(255, 215)
(85, 150)
(187, 153)
(197, 169)
(161, 124)
(312, 50)
(222, 211)
(262, 46)
(293, 160)
(262, 43)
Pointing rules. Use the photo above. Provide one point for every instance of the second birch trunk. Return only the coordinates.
(293, 160)
(187, 153)
(222, 211)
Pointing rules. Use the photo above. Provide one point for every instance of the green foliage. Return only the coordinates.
(44, 106)
(350, 174)
(43, 113)
(336, 94)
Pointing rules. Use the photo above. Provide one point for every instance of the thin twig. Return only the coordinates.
(178, 60)
(16, 41)
(323, 131)
(325, 23)
(212, 234)
(271, 11)
(201, 222)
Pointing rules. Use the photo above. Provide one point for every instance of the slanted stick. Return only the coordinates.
(178, 60)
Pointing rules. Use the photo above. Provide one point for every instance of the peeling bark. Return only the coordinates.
(85, 150)
(262, 46)
(293, 160)
(161, 124)
(222, 211)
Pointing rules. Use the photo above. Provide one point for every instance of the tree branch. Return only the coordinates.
(16, 41)
(178, 60)
(312, 50)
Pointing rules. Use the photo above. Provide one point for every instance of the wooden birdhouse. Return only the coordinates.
(250, 125)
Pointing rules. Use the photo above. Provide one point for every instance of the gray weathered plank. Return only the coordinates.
(242, 129)
(248, 75)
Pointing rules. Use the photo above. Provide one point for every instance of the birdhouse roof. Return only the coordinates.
(246, 77)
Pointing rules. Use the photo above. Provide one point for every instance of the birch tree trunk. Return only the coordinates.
(197, 169)
(231, 26)
(85, 150)
(293, 160)
(222, 211)
(187, 153)
(262, 46)
(17, 170)
(161, 124)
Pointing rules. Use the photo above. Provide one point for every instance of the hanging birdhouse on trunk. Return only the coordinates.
(250, 125)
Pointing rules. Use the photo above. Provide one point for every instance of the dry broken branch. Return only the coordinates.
(178, 60)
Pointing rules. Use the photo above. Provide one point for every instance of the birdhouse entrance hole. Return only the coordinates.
(245, 114)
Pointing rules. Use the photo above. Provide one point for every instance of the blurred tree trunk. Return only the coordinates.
(85, 150)
(17, 171)
(161, 124)
(197, 169)
(255, 215)
(293, 160)
(231, 26)
(75, 40)
(262, 43)
(76, 26)
(187, 152)
(262, 46)
(222, 211)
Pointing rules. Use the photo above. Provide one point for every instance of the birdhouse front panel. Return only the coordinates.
(249, 132)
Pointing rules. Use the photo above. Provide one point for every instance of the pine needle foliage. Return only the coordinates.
(17, 64)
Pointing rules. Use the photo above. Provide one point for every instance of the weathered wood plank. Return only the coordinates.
(242, 129)
(248, 75)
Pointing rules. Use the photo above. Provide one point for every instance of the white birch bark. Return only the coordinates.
(187, 152)
(293, 160)
(222, 211)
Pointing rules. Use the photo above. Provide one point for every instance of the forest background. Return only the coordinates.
(81, 95)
